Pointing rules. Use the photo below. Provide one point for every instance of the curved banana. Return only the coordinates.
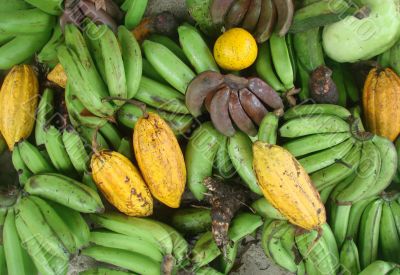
(223, 163)
(43, 115)
(76, 150)
(349, 259)
(125, 148)
(308, 49)
(378, 267)
(205, 250)
(268, 130)
(171, 45)
(339, 220)
(265, 209)
(243, 224)
(19, 165)
(281, 60)
(111, 134)
(191, 220)
(134, 12)
(180, 248)
(33, 159)
(357, 210)
(57, 152)
(389, 237)
(317, 109)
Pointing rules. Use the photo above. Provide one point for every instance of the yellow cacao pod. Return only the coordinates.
(58, 76)
(381, 103)
(18, 102)
(287, 186)
(121, 183)
(160, 159)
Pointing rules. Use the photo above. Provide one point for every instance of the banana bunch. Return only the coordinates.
(374, 226)
(232, 100)
(143, 246)
(39, 236)
(260, 17)
(336, 154)
(24, 31)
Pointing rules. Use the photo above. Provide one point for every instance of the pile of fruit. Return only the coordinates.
(142, 144)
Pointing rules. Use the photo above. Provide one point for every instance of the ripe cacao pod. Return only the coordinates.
(381, 102)
(121, 183)
(287, 186)
(160, 159)
(18, 102)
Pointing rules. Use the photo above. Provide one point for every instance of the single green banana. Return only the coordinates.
(132, 261)
(147, 229)
(243, 224)
(92, 36)
(317, 124)
(89, 135)
(191, 220)
(75, 222)
(368, 238)
(223, 163)
(19, 165)
(88, 180)
(343, 184)
(378, 267)
(168, 65)
(134, 12)
(196, 49)
(53, 7)
(76, 150)
(265, 69)
(304, 81)
(29, 21)
(125, 148)
(269, 228)
(44, 113)
(317, 109)
(349, 259)
(171, 45)
(367, 174)
(180, 248)
(281, 60)
(57, 152)
(33, 217)
(268, 130)
(395, 207)
(113, 66)
(292, 55)
(240, 152)
(325, 193)
(65, 191)
(356, 212)
(150, 72)
(199, 157)
(132, 57)
(339, 220)
(263, 208)
(161, 96)
(384, 59)
(56, 223)
(13, 5)
(205, 250)
(329, 238)
(308, 49)
(48, 53)
(389, 235)
(33, 159)
(129, 243)
(314, 143)
(111, 134)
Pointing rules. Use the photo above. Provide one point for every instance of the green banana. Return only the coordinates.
(130, 243)
(356, 212)
(351, 88)
(317, 109)
(92, 36)
(196, 49)
(226, 262)
(75, 222)
(389, 235)
(89, 135)
(33, 159)
(205, 250)
(199, 157)
(292, 55)
(243, 224)
(52, 7)
(161, 96)
(395, 271)
(263, 208)
(308, 49)
(339, 220)
(171, 45)
(132, 57)
(329, 238)
(33, 217)
(180, 248)
(338, 79)
(113, 66)
(111, 134)
(150, 72)
(134, 12)
(395, 207)
(128, 260)
(367, 174)
(191, 220)
(384, 59)
(57, 152)
(147, 229)
(13, 5)
(65, 191)
(240, 152)
(223, 163)
(368, 238)
(281, 60)
(378, 267)
(56, 223)
(48, 53)
(265, 69)
(29, 21)
(125, 148)
(304, 80)
(88, 180)
(19, 165)
(44, 113)
(76, 150)
(270, 227)
(309, 125)
(394, 55)
(349, 259)
(313, 143)
(325, 193)
(168, 65)
(268, 130)
(322, 159)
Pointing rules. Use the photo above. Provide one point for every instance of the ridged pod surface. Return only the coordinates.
(381, 101)
(121, 183)
(18, 103)
(160, 159)
(287, 186)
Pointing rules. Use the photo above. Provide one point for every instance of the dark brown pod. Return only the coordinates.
(252, 106)
(219, 9)
(265, 93)
(239, 116)
(199, 88)
(236, 82)
(237, 13)
(322, 87)
(220, 114)
(285, 11)
(252, 15)
(266, 23)
(207, 101)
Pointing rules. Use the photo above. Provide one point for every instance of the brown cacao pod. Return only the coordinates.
(18, 102)
(160, 159)
(381, 103)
